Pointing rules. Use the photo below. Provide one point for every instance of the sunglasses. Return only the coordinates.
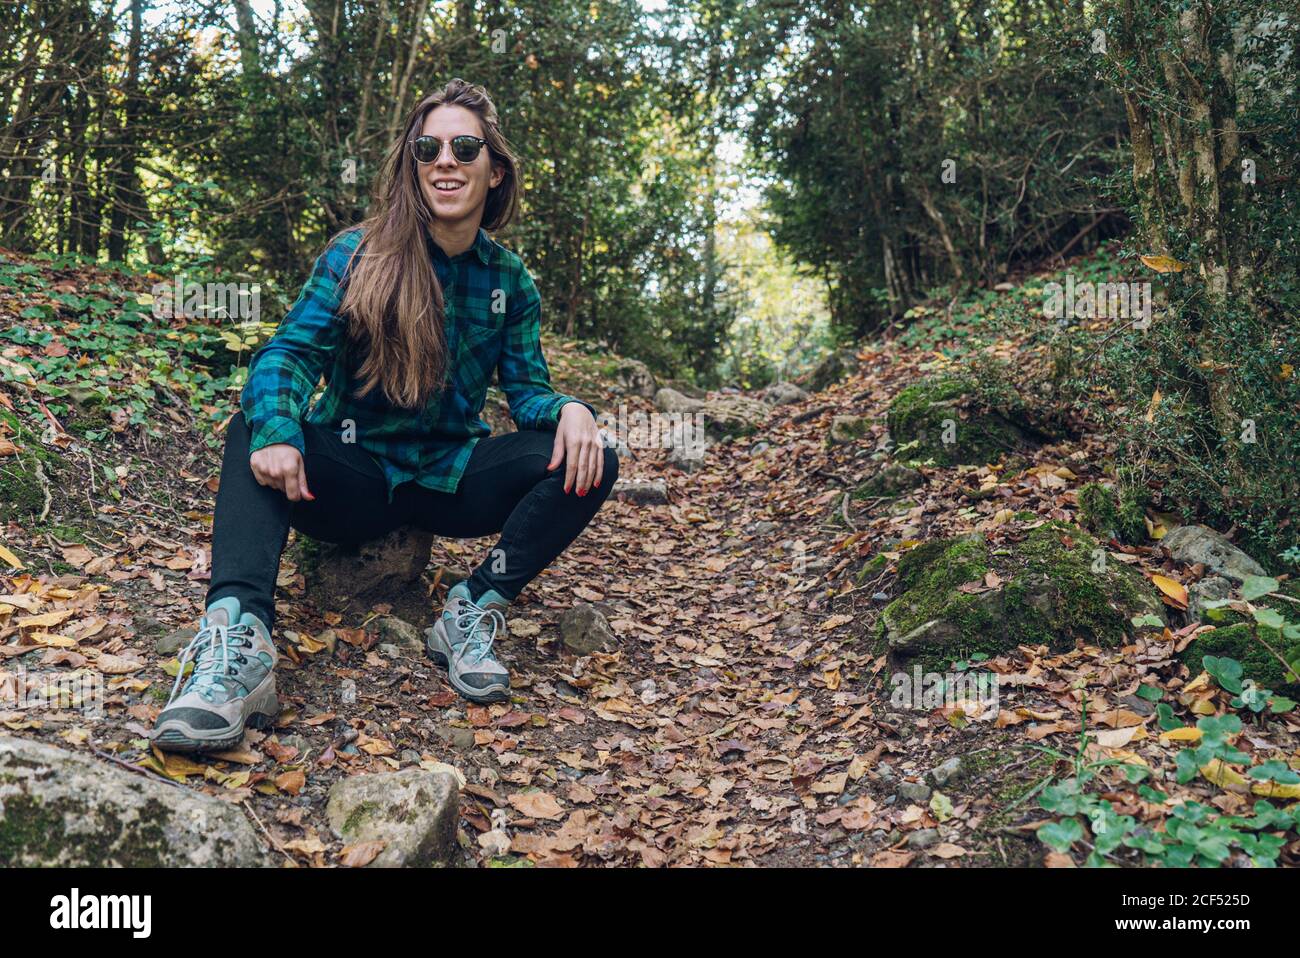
(465, 148)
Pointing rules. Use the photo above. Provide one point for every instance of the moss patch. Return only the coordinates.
(1103, 513)
(943, 418)
(1049, 594)
(1249, 644)
(22, 496)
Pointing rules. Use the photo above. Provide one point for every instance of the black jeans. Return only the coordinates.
(505, 489)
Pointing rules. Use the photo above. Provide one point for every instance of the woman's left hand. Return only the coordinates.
(578, 445)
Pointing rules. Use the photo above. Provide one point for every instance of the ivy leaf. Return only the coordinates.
(1227, 672)
(1255, 586)
(1059, 836)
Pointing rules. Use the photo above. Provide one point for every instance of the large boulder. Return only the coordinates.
(634, 377)
(671, 401)
(351, 580)
(1055, 586)
(782, 394)
(413, 812)
(62, 809)
(1194, 545)
(733, 415)
(835, 366)
(942, 419)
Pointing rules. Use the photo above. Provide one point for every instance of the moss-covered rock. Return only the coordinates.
(1054, 587)
(849, 429)
(63, 809)
(1250, 645)
(890, 482)
(942, 418)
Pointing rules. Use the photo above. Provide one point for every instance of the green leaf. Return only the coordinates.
(1061, 835)
(1269, 618)
(1227, 672)
(1255, 586)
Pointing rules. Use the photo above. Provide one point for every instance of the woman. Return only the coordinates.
(406, 317)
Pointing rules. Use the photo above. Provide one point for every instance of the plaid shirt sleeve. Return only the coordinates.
(284, 373)
(522, 370)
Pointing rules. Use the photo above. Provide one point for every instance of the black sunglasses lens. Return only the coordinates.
(465, 148)
(426, 148)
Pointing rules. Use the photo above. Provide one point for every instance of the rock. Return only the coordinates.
(939, 415)
(849, 429)
(782, 394)
(413, 811)
(670, 400)
(462, 738)
(633, 376)
(949, 771)
(62, 809)
(687, 389)
(396, 631)
(175, 640)
(351, 581)
(891, 481)
(1044, 592)
(646, 492)
(1199, 544)
(792, 620)
(834, 366)
(584, 629)
(1209, 589)
(687, 446)
(733, 416)
(913, 792)
(923, 838)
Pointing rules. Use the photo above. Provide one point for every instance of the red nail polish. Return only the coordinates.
(582, 492)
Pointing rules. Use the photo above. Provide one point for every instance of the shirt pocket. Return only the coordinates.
(478, 347)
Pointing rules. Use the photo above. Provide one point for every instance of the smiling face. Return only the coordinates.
(455, 191)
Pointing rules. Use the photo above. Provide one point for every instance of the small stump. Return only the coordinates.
(352, 580)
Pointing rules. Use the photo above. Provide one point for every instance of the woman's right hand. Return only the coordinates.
(279, 466)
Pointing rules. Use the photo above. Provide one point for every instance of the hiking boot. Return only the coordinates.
(461, 641)
(232, 685)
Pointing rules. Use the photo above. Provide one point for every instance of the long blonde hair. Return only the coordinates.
(393, 300)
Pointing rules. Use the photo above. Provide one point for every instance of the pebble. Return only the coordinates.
(923, 838)
(914, 791)
(946, 772)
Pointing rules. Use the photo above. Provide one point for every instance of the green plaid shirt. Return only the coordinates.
(493, 321)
